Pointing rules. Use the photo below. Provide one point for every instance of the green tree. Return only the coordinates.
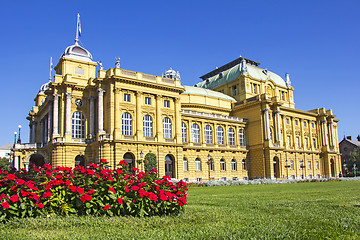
(5, 164)
(150, 162)
(354, 159)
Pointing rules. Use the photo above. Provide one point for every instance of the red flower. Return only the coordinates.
(91, 191)
(47, 194)
(112, 190)
(153, 197)
(111, 179)
(85, 198)
(182, 201)
(13, 188)
(80, 190)
(11, 176)
(103, 160)
(142, 193)
(14, 198)
(122, 162)
(120, 200)
(72, 188)
(5, 205)
(19, 181)
(134, 188)
(127, 189)
(3, 196)
(90, 172)
(106, 207)
(40, 205)
(163, 197)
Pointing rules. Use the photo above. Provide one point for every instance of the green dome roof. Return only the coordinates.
(206, 92)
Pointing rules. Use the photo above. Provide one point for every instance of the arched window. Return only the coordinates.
(195, 133)
(167, 127)
(185, 163)
(222, 165)
(233, 165)
(126, 124)
(208, 134)
(184, 132)
(231, 136)
(197, 164)
(244, 164)
(147, 126)
(78, 125)
(220, 135)
(241, 137)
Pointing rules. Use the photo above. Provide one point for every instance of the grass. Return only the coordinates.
(328, 210)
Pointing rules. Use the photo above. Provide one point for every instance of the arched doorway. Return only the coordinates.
(129, 158)
(169, 166)
(276, 167)
(37, 159)
(332, 168)
(79, 161)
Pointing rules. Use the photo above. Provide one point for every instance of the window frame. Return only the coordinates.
(222, 165)
(208, 134)
(231, 136)
(167, 128)
(147, 100)
(220, 135)
(147, 126)
(78, 125)
(241, 137)
(127, 97)
(197, 164)
(195, 133)
(183, 132)
(166, 103)
(126, 124)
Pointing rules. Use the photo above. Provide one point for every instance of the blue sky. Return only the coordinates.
(316, 42)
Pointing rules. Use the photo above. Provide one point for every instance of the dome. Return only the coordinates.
(172, 74)
(206, 92)
(44, 87)
(77, 52)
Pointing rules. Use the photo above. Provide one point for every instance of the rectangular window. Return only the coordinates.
(287, 121)
(304, 123)
(126, 97)
(314, 143)
(292, 165)
(298, 142)
(185, 164)
(166, 103)
(234, 88)
(296, 122)
(309, 165)
(254, 89)
(317, 165)
(288, 140)
(312, 125)
(147, 101)
(306, 143)
(211, 167)
(282, 95)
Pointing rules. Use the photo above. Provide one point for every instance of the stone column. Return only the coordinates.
(56, 115)
(92, 116)
(117, 118)
(100, 93)
(324, 133)
(267, 124)
(68, 114)
(33, 134)
(178, 132)
(30, 132)
(158, 118)
(278, 130)
(42, 133)
(331, 133)
(138, 116)
(49, 123)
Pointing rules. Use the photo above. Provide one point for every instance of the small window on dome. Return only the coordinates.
(220, 75)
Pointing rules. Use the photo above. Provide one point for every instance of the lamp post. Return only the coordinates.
(19, 139)
(302, 166)
(140, 161)
(354, 169)
(287, 169)
(209, 162)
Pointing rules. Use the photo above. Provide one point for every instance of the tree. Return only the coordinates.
(5, 164)
(150, 162)
(354, 159)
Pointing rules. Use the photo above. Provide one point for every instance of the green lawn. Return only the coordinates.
(328, 210)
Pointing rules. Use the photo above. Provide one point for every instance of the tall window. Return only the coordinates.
(314, 142)
(254, 88)
(197, 164)
(241, 137)
(307, 142)
(167, 127)
(233, 165)
(220, 135)
(195, 132)
(185, 164)
(234, 88)
(231, 136)
(126, 124)
(292, 165)
(184, 132)
(298, 142)
(126, 97)
(288, 139)
(166, 103)
(147, 101)
(208, 134)
(78, 125)
(147, 126)
(222, 165)
(317, 165)
(211, 166)
(309, 165)
(244, 164)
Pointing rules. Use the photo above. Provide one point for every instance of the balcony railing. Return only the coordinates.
(212, 115)
(29, 145)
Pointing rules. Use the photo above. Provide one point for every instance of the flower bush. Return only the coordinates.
(94, 190)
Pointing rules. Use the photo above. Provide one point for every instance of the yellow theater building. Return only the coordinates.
(238, 122)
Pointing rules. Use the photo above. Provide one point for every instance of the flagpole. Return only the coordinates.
(51, 64)
(77, 29)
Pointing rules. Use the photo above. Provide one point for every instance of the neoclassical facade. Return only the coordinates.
(239, 122)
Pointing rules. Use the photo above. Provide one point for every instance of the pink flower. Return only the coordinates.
(11, 176)
(5, 205)
(80, 190)
(120, 200)
(106, 207)
(47, 194)
(14, 198)
(134, 188)
(85, 198)
(112, 190)
(91, 191)
(40, 205)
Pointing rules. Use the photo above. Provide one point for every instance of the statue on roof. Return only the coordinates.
(243, 66)
(100, 65)
(287, 80)
(117, 63)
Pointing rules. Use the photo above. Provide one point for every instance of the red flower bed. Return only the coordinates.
(94, 190)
